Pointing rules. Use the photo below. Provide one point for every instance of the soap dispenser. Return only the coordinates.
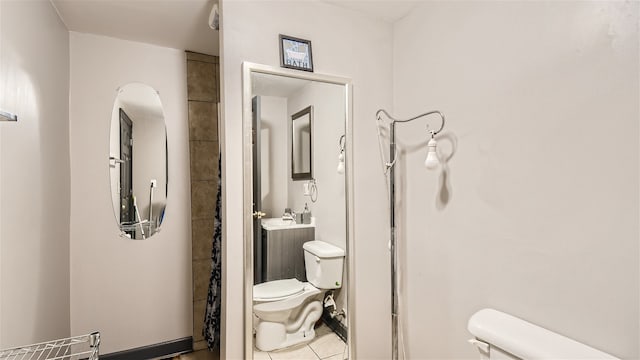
(306, 215)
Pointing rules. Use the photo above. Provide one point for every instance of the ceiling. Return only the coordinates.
(386, 10)
(182, 24)
(179, 24)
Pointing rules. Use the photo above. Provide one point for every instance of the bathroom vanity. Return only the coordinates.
(282, 254)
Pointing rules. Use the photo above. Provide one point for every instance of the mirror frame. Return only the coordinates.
(247, 85)
(295, 176)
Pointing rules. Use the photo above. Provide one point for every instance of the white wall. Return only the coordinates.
(537, 211)
(274, 170)
(136, 293)
(149, 159)
(344, 43)
(34, 174)
(328, 125)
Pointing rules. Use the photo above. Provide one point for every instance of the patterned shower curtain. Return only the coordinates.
(211, 330)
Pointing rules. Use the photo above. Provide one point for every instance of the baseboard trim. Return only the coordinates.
(335, 325)
(155, 351)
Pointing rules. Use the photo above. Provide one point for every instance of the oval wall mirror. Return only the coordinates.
(138, 161)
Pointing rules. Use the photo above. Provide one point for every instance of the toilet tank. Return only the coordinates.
(503, 336)
(323, 263)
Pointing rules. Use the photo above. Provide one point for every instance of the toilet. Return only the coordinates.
(506, 337)
(285, 311)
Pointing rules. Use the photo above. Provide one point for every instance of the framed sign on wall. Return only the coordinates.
(295, 53)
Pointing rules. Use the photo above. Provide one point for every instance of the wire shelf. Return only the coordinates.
(146, 225)
(73, 348)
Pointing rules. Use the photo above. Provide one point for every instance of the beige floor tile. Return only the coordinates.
(260, 355)
(294, 353)
(327, 345)
(322, 330)
(338, 357)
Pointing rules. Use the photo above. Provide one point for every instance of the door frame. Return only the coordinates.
(127, 163)
(257, 188)
(247, 69)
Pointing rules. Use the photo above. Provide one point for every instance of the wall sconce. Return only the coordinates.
(7, 116)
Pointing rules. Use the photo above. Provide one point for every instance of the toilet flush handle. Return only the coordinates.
(482, 346)
(317, 259)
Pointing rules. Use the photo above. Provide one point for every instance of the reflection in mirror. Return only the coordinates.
(138, 161)
(299, 241)
(301, 144)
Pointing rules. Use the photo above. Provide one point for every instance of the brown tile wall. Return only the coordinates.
(203, 96)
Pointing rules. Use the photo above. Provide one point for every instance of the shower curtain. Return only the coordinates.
(211, 330)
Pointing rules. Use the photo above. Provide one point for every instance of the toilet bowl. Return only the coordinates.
(285, 311)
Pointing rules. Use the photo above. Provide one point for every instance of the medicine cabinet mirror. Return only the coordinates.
(302, 144)
(138, 161)
(295, 127)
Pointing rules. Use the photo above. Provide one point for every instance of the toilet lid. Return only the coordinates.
(277, 289)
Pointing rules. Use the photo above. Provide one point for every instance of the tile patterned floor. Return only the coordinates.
(326, 346)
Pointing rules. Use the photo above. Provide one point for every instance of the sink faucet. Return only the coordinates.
(288, 215)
